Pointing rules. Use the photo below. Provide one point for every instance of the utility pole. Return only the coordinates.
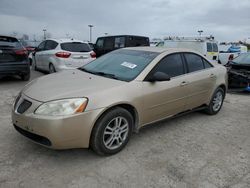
(90, 32)
(44, 34)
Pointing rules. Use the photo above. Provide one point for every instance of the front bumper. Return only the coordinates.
(55, 132)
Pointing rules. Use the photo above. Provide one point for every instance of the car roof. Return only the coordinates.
(66, 40)
(161, 49)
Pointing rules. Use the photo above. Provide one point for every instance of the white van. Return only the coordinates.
(205, 45)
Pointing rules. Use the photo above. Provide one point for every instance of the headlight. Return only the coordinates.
(62, 107)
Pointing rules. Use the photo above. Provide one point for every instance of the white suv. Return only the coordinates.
(55, 55)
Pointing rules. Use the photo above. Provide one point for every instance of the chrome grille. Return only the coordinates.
(25, 104)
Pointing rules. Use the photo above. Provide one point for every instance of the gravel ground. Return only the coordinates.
(195, 150)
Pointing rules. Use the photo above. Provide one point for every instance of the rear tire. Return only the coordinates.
(111, 132)
(51, 68)
(216, 102)
(25, 77)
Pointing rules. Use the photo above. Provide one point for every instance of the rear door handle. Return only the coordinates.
(184, 83)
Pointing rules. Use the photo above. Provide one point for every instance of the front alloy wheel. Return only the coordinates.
(115, 133)
(112, 131)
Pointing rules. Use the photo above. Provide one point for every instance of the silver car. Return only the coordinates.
(54, 55)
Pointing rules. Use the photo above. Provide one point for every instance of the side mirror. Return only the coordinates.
(159, 77)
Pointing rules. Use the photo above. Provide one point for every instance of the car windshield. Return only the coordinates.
(121, 64)
(75, 47)
(242, 59)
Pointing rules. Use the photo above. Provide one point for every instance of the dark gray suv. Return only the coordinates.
(13, 58)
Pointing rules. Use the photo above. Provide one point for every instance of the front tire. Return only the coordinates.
(112, 131)
(216, 102)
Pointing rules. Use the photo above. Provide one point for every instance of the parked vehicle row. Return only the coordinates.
(100, 104)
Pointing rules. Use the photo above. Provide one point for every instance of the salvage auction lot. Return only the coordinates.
(195, 150)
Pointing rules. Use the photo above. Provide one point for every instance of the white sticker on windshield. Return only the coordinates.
(129, 65)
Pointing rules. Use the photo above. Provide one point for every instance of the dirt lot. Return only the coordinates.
(195, 150)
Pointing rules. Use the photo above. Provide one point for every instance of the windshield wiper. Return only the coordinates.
(106, 75)
(99, 73)
(85, 70)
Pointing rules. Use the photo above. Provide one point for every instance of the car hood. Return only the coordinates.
(67, 84)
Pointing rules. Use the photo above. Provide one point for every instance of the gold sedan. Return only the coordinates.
(101, 104)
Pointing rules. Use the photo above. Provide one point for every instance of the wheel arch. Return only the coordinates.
(223, 86)
(130, 108)
(51, 63)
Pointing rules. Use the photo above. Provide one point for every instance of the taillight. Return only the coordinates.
(63, 54)
(231, 57)
(21, 52)
(93, 55)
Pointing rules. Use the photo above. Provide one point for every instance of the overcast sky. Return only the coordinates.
(227, 20)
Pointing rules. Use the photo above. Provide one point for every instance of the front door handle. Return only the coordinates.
(184, 83)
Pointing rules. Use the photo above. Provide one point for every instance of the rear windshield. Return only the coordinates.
(75, 47)
(9, 42)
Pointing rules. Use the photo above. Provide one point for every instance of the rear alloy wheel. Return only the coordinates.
(112, 132)
(216, 102)
(51, 68)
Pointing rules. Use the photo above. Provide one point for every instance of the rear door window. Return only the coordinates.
(207, 64)
(194, 62)
(75, 47)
